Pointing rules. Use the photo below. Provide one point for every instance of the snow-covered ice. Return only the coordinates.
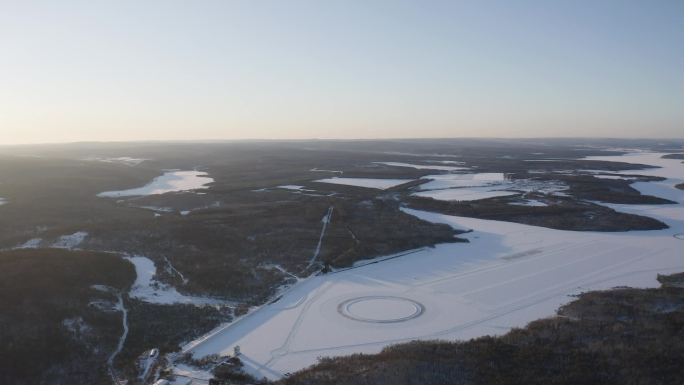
(424, 166)
(382, 184)
(471, 187)
(464, 194)
(672, 170)
(168, 182)
(506, 276)
(445, 181)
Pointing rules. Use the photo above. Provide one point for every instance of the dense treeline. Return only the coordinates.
(165, 327)
(49, 334)
(561, 213)
(621, 337)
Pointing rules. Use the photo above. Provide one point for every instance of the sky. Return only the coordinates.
(257, 69)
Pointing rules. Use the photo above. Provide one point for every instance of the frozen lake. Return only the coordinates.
(169, 182)
(508, 275)
(424, 166)
(476, 186)
(464, 194)
(382, 184)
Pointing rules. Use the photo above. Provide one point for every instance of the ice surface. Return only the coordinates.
(423, 166)
(445, 181)
(169, 182)
(506, 276)
(464, 194)
(382, 184)
(470, 187)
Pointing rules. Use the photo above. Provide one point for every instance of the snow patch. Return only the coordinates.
(422, 166)
(291, 187)
(171, 181)
(76, 325)
(382, 184)
(530, 203)
(32, 243)
(146, 288)
(70, 241)
(316, 169)
(464, 194)
(471, 187)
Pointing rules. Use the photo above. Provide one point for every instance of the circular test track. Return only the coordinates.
(367, 309)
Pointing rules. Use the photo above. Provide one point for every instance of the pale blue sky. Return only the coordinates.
(131, 70)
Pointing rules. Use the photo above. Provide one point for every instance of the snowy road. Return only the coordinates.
(508, 275)
(122, 339)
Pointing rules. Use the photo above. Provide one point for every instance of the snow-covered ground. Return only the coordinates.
(168, 182)
(32, 243)
(508, 275)
(424, 166)
(70, 241)
(147, 289)
(382, 184)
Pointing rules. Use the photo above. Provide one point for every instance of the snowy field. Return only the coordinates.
(508, 275)
(382, 184)
(169, 182)
(147, 289)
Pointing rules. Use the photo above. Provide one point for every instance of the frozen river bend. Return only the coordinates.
(508, 275)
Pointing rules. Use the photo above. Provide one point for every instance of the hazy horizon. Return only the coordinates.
(418, 139)
(304, 70)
